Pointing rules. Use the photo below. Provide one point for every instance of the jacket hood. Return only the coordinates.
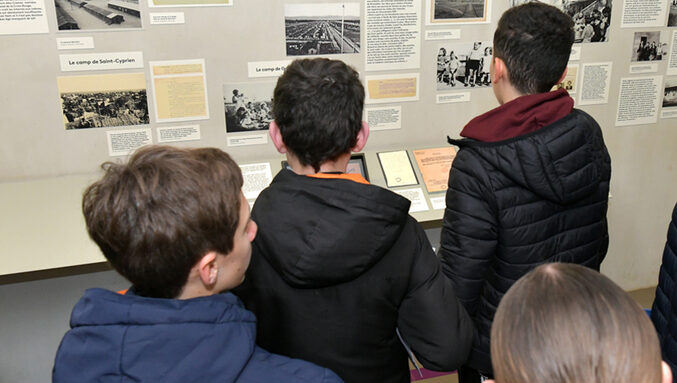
(99, 307)
(561, 162)
(136, 338)
(520, 116)
(320, 232)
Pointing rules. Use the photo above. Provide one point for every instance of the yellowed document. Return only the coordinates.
(569, 82)
(392, 88)
(434, 165)
(180, 90)
(397, 168)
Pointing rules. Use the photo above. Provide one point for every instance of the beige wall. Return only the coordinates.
(45, 224)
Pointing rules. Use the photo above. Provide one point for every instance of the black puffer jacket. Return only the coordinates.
(664, 310)
(336, 267)
(517, 203)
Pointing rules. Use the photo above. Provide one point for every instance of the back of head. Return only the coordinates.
(565, 323)
(156, 215)
(534, 40)
(317, 105)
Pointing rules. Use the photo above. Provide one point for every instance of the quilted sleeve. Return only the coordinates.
(469, 230)
(665, 305)
(431, 319)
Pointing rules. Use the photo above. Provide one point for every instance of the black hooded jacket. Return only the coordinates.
(664, 310)
(518, 203)
(337, 266)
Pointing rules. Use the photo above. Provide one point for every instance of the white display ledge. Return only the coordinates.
(42, 226)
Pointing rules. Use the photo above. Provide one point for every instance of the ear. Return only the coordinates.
(362, 137)
(276, 137)
(561, 79)
(208, 269)
(500, 70)
(667, 373)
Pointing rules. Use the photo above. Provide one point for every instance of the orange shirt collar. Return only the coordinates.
(343, 176)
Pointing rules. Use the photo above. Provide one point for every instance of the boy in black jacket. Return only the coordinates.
(339, 265)
(530, 182)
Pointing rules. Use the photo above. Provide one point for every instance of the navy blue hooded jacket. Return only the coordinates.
(128, 338)
(664, 310)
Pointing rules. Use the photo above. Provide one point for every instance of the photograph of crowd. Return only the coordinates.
(649, 46)
(670, 93)
(322, 29)
(97, 14)
(450, 11)
(591, 17)
(569, 81)
(248, 106)
(463, 65)
(103, 101)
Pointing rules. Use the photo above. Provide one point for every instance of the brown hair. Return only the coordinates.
(156, 215)
(565, 323)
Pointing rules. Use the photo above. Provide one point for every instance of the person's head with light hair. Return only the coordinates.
(565, 323)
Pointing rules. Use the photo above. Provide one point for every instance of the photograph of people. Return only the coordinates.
(248, 106)
(465, 66)
(649, 46)
(591, 17)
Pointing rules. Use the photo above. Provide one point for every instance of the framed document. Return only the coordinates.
(434, 165)
(397, 168)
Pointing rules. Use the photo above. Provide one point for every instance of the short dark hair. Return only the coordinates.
(317, 105)
(534, 40)
(563, 323)
(155, 216)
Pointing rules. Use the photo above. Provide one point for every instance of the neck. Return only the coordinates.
(190, 291)
(506, 93)
(340, 164)
(194, 288)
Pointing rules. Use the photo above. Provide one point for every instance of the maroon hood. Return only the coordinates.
(520, 116)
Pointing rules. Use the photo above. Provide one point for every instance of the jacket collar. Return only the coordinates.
(341, 176)
(520, 116)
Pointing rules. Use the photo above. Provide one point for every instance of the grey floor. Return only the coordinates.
(33, 319)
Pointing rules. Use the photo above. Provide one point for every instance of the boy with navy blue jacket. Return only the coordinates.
(173, 222)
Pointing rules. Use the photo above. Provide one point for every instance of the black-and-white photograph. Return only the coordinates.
(451, 11)
(569, 81)
(591, 17)
(464, 65)
(672, 13)
(103, 100)
(248, 106)
(97, 14)
(649, 46)
(670, 93)
(322, 29)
